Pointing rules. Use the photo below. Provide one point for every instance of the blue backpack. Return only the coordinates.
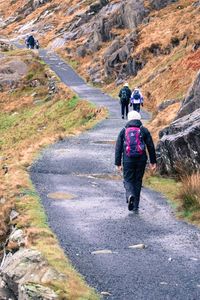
(135, 96)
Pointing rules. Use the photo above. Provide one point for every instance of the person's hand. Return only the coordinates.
(153, 167)
(119, 168)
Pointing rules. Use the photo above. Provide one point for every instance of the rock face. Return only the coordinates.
(11, 72)
(99, 24)
(158, 4)
(179, 145)
(25, 272)
(192, 100)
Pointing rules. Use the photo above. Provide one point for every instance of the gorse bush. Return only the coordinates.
(190, 192)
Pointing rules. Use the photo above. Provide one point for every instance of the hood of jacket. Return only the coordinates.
(134, 123)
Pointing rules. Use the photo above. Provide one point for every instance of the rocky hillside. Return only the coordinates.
(153, 44)
(179, 145)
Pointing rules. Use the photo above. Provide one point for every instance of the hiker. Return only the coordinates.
(131, 151)
(31, 42)
(37, 45)
(124, 95)
(26, 42)
(136, 99)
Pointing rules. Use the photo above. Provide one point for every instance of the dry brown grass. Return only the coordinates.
(190, 193)
(162, 119)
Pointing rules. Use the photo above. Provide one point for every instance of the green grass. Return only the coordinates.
(167, 186)
(29, 122)
(73, 63)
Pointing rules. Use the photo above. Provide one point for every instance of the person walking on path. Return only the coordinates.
(130, 149)
(124, 95)
(31, 42)
(136, 99)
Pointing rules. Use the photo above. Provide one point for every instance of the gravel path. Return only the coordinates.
(96, 218)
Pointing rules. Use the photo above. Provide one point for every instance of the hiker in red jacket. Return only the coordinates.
(130, 152)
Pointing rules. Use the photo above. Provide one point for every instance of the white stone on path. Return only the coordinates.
(105, 251)
(138, 246)
(106, 294)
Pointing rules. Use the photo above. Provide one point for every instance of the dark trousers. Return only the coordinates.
(124, 108)
(136, 107)
(133, 173)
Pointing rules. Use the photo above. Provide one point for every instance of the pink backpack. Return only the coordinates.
(134, 142)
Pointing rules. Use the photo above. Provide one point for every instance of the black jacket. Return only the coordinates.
(128, 93)
(120, 146)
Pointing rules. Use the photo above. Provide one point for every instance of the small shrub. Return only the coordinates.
(190, 192)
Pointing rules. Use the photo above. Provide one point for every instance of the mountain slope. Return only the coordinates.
(153, 44)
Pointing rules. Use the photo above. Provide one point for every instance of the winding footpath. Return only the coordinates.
(97, 218)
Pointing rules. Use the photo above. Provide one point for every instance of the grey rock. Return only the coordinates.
(196, 4)
(192, 100)
(117, 60)
(112, 49)
(17, 236)
(158, 4)
(81, 51)
(13, 215)
(36, 291)
(97, 6)
(2, 200)
(5, 293)
(179, 145)
(133, 13)
(5, 46)
(25, 266)
(119, 81)
(167, 103)
(196, 45)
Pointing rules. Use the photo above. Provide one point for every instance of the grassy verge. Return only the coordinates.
(167, 186)
(190, 197)
(183, 195)
(26, 126)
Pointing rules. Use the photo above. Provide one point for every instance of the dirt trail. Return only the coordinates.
(96, 216)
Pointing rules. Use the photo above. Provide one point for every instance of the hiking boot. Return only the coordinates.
(122, 117)
(136, 211)
(130, 202)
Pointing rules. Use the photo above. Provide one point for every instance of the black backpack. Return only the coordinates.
(124, 97)
(31, 40)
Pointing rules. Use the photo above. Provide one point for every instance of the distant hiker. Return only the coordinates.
(136, 99)
(26, 42)
(130, 151)
(124, 95)
(31, 42)
(37, 45)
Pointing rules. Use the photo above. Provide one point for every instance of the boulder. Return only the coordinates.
(4, 46)
(11, 72)
(192, 100)
(97, 6)
(33, 291)
(37, 3)
(196, 3)
(158, 4)
(179, 145)
(167, 103)
(27, 268)
(133, 13)
(118, 55)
